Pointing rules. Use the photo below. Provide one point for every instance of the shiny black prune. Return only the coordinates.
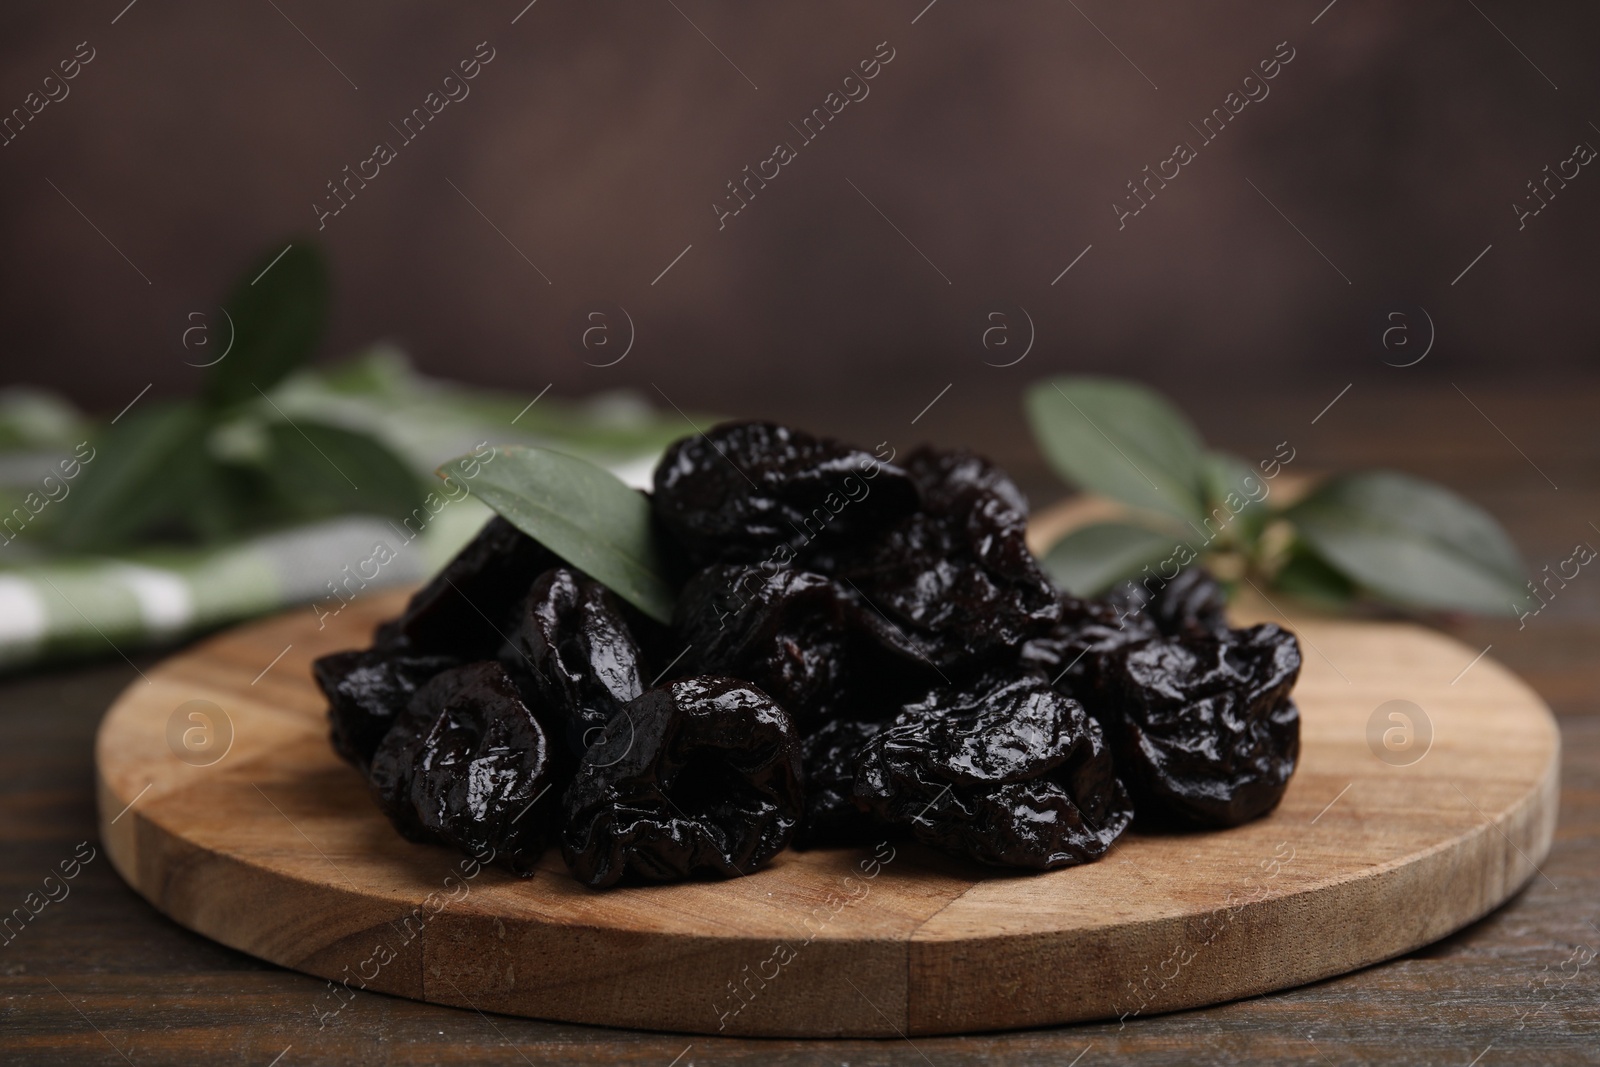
(366, 692)
(955, 585)
(574, 649)
(463, 611)
(783, 629)
(1191, 602)
(1203, 727)
(830, 755)
(1070, 654)
(468, 765)
(698, 778)
(749, 491)
(1004, 770)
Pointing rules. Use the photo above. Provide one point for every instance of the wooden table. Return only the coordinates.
(100, 977)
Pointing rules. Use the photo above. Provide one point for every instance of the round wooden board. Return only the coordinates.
(276, 850)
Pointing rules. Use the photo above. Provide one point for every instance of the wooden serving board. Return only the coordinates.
(275, 849)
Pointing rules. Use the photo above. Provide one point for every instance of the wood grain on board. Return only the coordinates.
(275, 849)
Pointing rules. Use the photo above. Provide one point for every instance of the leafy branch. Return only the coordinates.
(230, 462)
(1375, 534)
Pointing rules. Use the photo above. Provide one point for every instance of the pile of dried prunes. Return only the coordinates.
(859, 648)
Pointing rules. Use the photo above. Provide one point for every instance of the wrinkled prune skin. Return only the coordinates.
(784, 630)
(1089, 630)
(954, 585)
(464, 610)
(748, 491)
(367, 691)
(1191, 602)
(1203, 727)
(468, 765)
(700, 777)
(830, 755)
(1005, 770)
(574, 649)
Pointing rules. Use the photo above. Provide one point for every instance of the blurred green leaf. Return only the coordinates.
(317, 470)
(139, 476)
(1121, 440)
(277, 312)
(1412, 542)
(1310, 577)
(1091, 559)
(1236, 498)
(581, 512)
(38, 419)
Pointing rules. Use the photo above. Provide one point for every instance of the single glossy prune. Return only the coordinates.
(832, 816)
(1005, 770)
(955, 584)
(366, 692)
(468, 765)
(698, 778)
(1204, 731)
(576, 651)
(748, 491)
(784, 630)
(463, 611)
(1191, 602)
(1089, 630)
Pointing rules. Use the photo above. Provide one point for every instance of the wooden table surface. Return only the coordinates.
(101, 977)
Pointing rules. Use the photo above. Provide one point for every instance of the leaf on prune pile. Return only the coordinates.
(698, 778)
(1412, 542)
(468, 765)
(1203, 727)
(1005, 771)
(1121, 440)
(584, 514)
(750, 491)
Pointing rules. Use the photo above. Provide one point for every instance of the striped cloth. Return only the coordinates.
(54, 607)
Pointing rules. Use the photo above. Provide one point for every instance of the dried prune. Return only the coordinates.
(1071, 652)
(366, 692)
(783, 629)
(1004, 770)
(1191, 602)
(830, 755)
(1203, 727)
(463, 611)
(574, 649)
(747, 491)
(701, 777)
(468, 765)
(954, 584)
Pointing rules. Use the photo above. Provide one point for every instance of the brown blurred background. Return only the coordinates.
(594, 144)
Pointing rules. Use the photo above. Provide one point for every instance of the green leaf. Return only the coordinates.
(1309, 577)
(581, 512)
(1121, 440)
(1236, 498)
(1412, 542)
(317, 470)
(140, 474)
(1093, 558)
(276, 318)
